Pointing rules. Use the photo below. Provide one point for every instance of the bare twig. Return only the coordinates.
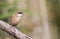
(13, 31)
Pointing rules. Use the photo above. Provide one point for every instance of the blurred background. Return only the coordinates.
(40, 20)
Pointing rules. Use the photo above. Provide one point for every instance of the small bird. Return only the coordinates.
(15, 19)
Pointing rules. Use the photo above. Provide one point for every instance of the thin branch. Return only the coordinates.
(13, 31)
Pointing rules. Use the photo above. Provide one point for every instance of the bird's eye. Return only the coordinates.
(19, 12)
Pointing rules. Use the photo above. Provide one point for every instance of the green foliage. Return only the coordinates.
(6, 15)
(10, 6)
(3, 4)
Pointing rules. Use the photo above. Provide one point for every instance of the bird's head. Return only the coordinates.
(19, 14)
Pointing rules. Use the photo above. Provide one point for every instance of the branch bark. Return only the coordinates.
(13, 31)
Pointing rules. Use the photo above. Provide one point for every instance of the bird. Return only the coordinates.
(15, 19)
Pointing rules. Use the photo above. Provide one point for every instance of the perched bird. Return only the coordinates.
(15, 18)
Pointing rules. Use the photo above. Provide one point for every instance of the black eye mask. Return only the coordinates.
(19, 12)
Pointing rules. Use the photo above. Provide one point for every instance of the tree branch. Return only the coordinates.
(13, 31)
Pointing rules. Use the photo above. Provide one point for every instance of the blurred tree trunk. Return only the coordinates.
(35, 19)
(45, 21)
(45, 30)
